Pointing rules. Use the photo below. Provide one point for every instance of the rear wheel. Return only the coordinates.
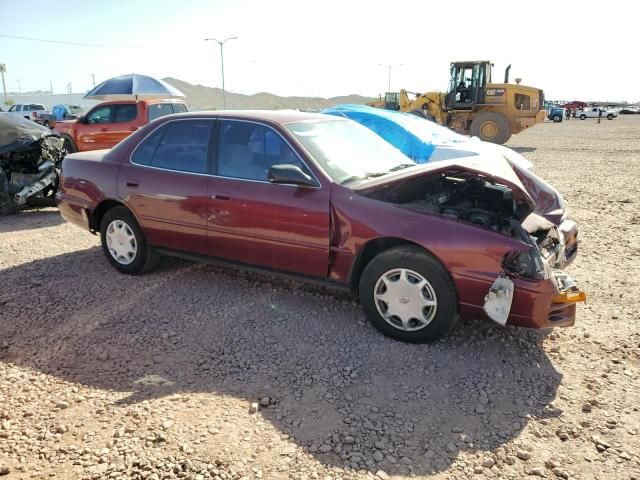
(408, 295)
(557, 118)
(124, 244)
(610, 117)
(491, 127)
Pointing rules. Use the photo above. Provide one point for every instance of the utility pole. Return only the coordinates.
(221, 43)
(3, 69)
(93, 79)
(69, 87)
(19, 88)
(50, 87)
(389, 73)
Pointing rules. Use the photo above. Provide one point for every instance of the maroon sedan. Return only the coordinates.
(324, 198)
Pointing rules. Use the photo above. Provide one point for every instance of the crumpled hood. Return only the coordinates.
(18, 134)
(527, 187)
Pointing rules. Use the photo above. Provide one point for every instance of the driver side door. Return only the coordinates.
(253, 221)
(91, 132)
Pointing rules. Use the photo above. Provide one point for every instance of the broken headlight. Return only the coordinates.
(527, 264)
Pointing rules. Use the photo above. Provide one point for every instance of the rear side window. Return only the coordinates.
(37, 107)
(161, 109)
(125, 113)
(181, 146)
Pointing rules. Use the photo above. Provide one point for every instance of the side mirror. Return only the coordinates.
(79, 119)
(289, 174)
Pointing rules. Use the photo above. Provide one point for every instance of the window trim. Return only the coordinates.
(212, 157)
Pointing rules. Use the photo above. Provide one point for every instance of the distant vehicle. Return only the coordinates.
(594, 112)
(108, 123)
(59, 113)
(629, 111)
(30, 111)
(575, 105)
(555, 113)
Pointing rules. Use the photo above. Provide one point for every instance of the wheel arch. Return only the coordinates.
(68, 137)
(96, 215)
(374, 247)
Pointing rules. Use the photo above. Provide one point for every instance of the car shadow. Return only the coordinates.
(343, 392)
(30, 218)
(524, 149)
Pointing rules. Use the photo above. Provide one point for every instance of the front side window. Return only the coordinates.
(348, 151)
(124, 113)
(179, 108)
(523, 102)
(101, 115)
(247, 151)
(180, 145)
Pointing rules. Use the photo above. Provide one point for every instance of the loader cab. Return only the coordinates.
(392, 101)
(467, 84)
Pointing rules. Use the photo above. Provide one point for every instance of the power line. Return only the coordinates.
(60, 42)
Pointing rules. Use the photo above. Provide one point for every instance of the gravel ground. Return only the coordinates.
(199, 372)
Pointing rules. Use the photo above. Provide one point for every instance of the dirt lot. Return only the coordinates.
(108, 376)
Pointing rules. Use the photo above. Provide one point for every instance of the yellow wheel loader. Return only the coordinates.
(474, 105)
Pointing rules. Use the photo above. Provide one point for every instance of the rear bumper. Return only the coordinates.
(73, 210)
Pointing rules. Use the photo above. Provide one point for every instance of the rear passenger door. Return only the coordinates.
(166, 184)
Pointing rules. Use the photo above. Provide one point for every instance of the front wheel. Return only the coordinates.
(408, 295)
(609, 117)
(583, 116)
(557, 118)
(124, 244)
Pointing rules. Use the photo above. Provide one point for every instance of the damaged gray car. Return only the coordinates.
(30, 159)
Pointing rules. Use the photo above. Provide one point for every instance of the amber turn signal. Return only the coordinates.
(570, 297)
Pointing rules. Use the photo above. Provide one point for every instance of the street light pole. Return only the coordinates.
(389, 73)
(221, 43)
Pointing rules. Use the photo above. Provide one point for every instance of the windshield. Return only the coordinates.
(347, 151)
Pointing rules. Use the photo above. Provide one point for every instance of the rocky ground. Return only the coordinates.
(203, 373)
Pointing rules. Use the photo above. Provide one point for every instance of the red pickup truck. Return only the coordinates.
(108, 123)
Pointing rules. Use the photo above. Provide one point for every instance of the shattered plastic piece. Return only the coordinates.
(497, 303)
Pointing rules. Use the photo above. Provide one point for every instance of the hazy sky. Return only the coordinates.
(571, 49)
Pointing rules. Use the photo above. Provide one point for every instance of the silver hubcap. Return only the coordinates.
(405, 299)
(121, 242)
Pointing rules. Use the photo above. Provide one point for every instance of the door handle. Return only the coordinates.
(220, 196)
(133, 129)
(132, 182)
(104, 129)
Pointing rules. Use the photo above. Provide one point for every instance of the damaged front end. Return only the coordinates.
(506, 200)
(30, 159)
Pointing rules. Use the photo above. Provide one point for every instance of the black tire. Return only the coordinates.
(421, 262)
(557, 118)
(7, 205)
(145, 257)
(46, 124)
(610, 117)
(583, 117)
(493, 122)
(68, 147)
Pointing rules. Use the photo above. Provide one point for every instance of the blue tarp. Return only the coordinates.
(416, 137)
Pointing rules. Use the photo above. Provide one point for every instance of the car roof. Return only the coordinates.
(281, 117)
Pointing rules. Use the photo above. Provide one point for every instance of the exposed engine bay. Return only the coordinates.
(460, 196)
(30, 158)
(471, 197)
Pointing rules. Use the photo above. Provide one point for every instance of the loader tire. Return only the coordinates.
(491, 127)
